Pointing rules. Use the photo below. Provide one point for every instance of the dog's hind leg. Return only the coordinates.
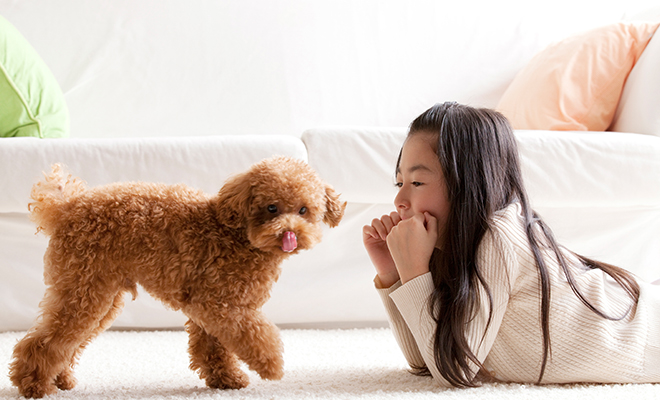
(42, 360)
(65, 380)
(214, 363)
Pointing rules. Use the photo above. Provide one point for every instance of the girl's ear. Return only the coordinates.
(334, 209)
(234, 200)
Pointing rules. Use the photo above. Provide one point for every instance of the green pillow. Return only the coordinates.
(31, 101)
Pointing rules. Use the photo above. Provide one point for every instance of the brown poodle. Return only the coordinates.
(214, 258)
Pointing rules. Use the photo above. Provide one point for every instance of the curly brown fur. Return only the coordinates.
(214, 258)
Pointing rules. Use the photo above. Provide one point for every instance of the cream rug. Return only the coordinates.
(320, 364)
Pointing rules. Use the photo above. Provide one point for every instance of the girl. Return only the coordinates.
(474, 283)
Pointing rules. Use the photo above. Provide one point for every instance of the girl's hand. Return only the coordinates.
(374, 237)
(411, 243)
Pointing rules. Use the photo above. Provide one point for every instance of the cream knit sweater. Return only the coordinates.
(584, 346)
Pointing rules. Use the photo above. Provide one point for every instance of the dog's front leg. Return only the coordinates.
(254, 339)
(214, 363)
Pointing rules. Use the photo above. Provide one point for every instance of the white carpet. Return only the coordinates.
(320, 364)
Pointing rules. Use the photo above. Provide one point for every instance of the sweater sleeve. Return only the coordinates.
(402, 334)
(496, 261)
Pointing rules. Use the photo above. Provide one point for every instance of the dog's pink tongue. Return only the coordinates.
(289, 242)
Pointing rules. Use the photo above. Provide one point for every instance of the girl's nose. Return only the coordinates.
(400, 201)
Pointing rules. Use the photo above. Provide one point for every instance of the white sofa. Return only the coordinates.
(194, 91)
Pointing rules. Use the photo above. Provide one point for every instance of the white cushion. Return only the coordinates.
(358, 162)
(639, 106)
(561, 169)
(200, 162)
(590, 169)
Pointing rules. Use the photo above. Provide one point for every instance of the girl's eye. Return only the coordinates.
(272, 208)
(400, 184)
(302, 211)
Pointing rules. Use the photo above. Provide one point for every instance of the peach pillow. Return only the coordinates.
(576, 83)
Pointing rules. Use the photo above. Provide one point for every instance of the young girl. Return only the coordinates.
(474, 283)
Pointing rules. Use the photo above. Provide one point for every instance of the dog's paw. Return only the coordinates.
(234, 380)
(35, 389)
(272, 370)
(65, 380)
(272, 375)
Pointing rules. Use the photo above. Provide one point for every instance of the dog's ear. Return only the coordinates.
(234, 200)
(334, 209)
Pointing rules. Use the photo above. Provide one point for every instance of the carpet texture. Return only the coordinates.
(319, 364)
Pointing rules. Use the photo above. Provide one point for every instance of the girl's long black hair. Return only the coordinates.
(478, 153)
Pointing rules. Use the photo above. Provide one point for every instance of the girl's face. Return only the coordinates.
(421, 182)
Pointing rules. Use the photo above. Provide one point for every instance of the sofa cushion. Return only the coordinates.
(31, 101)
(359, 162)
(561, 169)
(590, 169)
(639, 107)
(576, 83)
(201, 162)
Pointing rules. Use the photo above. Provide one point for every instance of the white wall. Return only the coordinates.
(206, 67)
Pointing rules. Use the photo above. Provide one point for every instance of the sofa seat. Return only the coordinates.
(599, 192)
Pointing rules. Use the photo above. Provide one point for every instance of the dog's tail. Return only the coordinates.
(49, 195)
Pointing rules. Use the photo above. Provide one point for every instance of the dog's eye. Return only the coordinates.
(272, 208)
(302, 211)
